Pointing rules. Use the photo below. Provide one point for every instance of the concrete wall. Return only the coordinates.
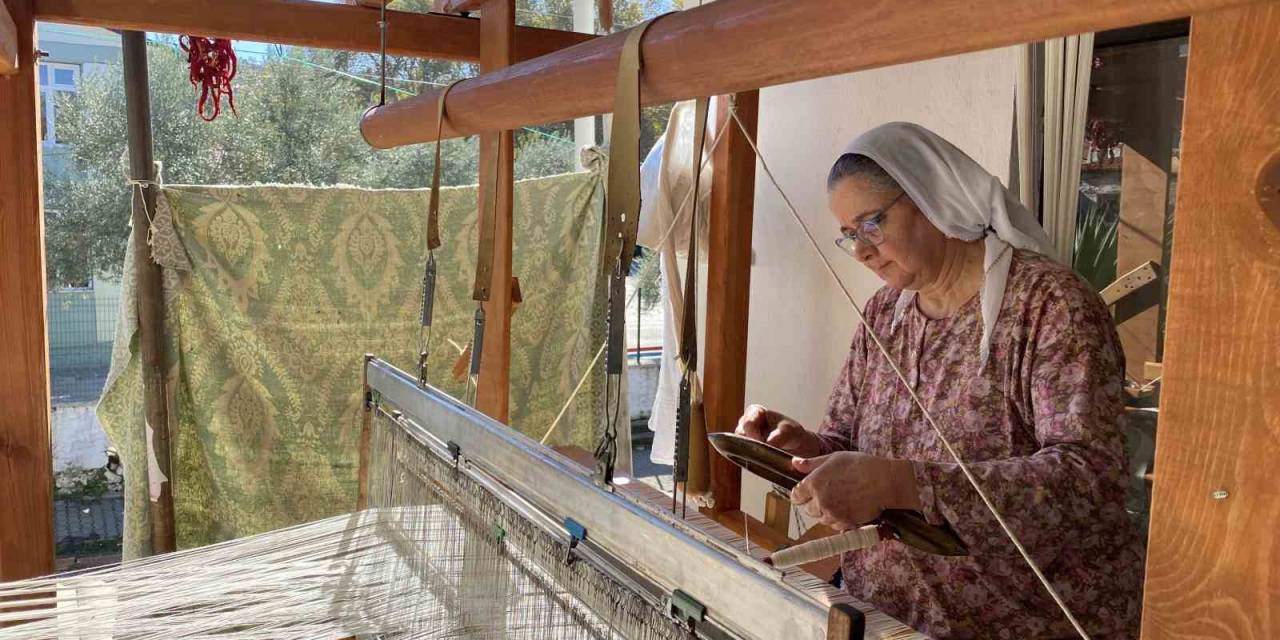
(801, 324)
(78, 438)
(642, 385)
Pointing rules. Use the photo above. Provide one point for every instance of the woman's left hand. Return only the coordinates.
(847, 489)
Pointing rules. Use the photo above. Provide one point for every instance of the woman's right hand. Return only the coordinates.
(759, 423)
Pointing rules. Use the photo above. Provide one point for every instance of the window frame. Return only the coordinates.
(49, 90)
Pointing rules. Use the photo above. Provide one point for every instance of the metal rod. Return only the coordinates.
(150, 297)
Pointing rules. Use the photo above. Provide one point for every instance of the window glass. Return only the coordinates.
(1124, 223)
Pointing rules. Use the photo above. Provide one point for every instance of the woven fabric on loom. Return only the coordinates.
(495, 573)
(437, 555)
(272, 296)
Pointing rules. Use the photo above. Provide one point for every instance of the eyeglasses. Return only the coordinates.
(868, 230)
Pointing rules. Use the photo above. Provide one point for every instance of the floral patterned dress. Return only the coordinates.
(1041, 428)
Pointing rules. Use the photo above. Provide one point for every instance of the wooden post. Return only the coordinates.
(729, 287)
(497, 28)
(1144, 190)
(26, 463)
(148, 287)
(1212, 558)
(777, 513)
(8, 43)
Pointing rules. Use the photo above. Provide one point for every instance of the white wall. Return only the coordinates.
(78, 438)
(801, 324)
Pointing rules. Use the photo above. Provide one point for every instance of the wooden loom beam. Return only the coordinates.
(728, 288)
(303, 23)
(1212, 557)
(701, 52)
(493, 393)
(26, 461)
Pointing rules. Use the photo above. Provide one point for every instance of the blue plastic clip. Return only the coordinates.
(577, 533)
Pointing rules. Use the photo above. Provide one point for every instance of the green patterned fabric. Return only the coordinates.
(273, 295)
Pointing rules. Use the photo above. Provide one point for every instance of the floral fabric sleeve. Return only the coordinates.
(1069, 383)
(839, 430)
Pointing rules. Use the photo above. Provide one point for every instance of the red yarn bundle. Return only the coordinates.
(213, 66)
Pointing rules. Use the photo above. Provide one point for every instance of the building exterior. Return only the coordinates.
(72, 53)
(81, 315)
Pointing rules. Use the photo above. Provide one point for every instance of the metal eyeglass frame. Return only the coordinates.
(869, 230)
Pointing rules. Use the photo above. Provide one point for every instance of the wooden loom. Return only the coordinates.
(1209, 567)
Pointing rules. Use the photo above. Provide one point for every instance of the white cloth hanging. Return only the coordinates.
(1068, 66)
(961, 199)
(666, 178)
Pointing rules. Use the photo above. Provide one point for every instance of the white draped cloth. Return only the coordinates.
(666, 179)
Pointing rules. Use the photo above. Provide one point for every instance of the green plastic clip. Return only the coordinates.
(685, 608)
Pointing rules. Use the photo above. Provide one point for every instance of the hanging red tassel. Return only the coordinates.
(213, 66)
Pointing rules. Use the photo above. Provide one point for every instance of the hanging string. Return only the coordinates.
(928, 416)
(213, 67)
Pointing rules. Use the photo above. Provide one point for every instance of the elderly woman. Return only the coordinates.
(1017, 360)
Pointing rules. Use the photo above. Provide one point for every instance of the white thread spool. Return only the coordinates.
(851, 540)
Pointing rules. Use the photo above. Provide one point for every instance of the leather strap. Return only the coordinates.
(605, 11)
(622, 197)
(689, 339)
(433, 209)
(488, 218)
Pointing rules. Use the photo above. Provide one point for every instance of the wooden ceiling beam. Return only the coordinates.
(737, 45)
(303, 23)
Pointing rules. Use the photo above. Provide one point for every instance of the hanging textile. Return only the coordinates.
(1026, 149)
(1068, 64)
(272, 296)
(666, 181)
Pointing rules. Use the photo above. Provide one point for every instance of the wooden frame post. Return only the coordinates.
(1212, 557)
(26, 459)
(149, 293)
(729, 286)
(497, 30)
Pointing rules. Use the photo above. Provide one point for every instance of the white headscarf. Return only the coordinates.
(962, 200)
